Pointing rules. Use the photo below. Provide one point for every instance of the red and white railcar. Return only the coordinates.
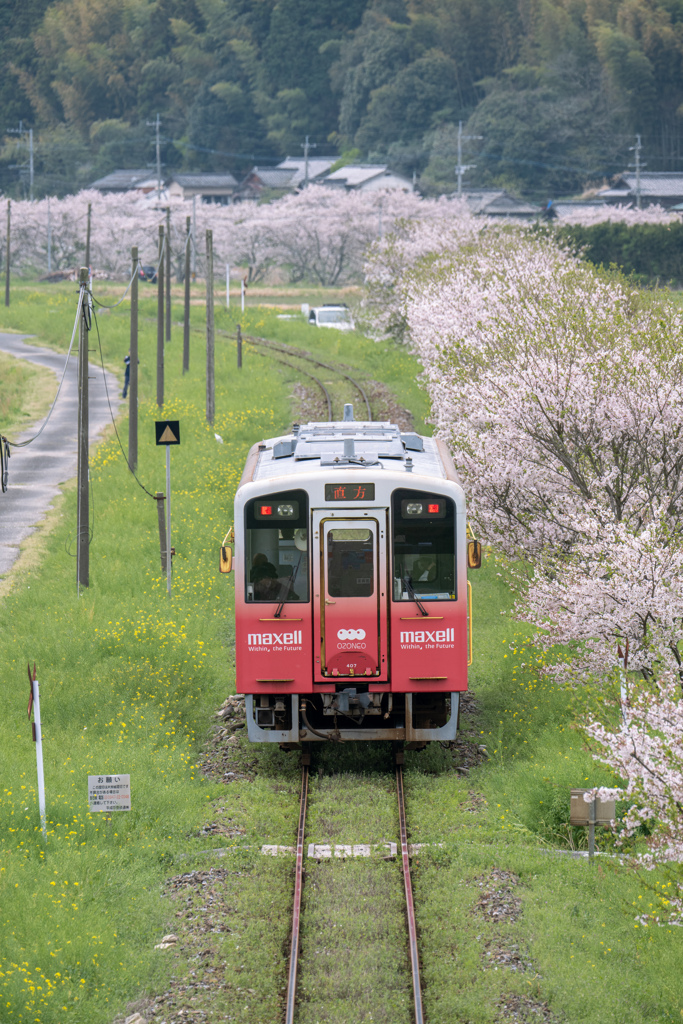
(351, 591)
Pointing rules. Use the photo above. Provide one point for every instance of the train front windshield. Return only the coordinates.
(423, 546)
(277, 548)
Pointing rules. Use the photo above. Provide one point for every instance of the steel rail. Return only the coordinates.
(410, 906)
(320, 384)
(296, 908)
(302, 354)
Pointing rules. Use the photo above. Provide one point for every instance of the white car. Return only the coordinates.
(330, 315)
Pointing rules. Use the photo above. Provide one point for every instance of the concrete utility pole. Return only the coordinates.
(210, 384)
(168, 273)
(194, 238)
(20, 131)
(461, 168)
(160, 319)
(306, 146)
(83, 513)
(133, 383)
(49, 238)
(7, 251)
(157, 126)
(87, 236)
(638, 165)
(186, 317)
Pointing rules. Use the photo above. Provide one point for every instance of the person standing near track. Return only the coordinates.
(126, 379)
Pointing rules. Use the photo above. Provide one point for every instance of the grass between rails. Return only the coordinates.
(129, 682)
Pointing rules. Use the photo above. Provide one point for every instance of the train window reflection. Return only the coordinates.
(276, 564)
(423, 547)
(350, 563)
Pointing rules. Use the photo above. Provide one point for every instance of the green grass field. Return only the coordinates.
(129, 683)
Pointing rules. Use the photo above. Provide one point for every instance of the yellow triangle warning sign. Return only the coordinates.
(168, 437)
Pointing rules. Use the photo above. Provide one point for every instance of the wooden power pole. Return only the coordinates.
(83, 513)
(7, 252)
(133, 354)
(210, 383)
(160, 320)
(87, 237)
(186, 318)
(168, 273)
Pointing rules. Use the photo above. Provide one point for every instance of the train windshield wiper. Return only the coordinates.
(288, 590)
(408, 584)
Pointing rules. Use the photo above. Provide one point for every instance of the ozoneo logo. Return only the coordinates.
(351, 634)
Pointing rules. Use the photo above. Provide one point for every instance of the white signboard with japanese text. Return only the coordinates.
(109, 792)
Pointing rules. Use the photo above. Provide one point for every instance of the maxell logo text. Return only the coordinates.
(274, 639)
(424, 636)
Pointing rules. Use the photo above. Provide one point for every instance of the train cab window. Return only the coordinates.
(277, 547)
(423, 546)
(350, 563)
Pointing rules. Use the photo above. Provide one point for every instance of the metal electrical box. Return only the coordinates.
(580, 811)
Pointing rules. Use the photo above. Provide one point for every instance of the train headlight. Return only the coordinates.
(414, 508)
(286, 511)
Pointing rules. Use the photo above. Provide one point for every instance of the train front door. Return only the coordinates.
(350, 602)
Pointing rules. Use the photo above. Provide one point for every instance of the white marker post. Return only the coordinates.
(37, 736)
(227, 286)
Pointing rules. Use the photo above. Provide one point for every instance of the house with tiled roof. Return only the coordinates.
(496, 202)
(367, 178)
(209, 186)
(127, 180)
(266, 180)
(317, 167)
(661, 188)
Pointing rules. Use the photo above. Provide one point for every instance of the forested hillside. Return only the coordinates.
(557, 89)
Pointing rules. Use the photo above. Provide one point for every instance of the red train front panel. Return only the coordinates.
(429, 596)
(328, 595)
(274, 644)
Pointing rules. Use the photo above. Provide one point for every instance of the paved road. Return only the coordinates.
(37, 471)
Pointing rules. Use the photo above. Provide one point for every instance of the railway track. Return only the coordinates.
(303, 356)
(298, 889)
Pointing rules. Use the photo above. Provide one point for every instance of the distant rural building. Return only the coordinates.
(317, 167)
(207, 186)
(367, 178)
(661, 188)
(266, 180)
(127, 181)
(495, 202)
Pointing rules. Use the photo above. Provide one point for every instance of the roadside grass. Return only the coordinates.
(18, 381)
(129, 682)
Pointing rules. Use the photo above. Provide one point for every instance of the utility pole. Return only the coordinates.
(133, 383)
(210, 385)
(186, 318)
(30, 164)
(157, 126)
(168, 273)
(306, 146)
(638, 166)
(87, 237)
(7, 251)
(83, 515)
(49, 238)
(160, 319)
(461, 168)
(194, 238)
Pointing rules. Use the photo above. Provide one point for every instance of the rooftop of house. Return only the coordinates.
(125, 179)
(205, 179)
(652, 183)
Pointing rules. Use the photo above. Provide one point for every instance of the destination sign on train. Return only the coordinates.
(349, 492)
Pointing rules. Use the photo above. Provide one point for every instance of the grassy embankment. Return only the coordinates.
(129, 682)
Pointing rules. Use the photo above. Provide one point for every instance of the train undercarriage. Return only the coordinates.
(352, 713)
